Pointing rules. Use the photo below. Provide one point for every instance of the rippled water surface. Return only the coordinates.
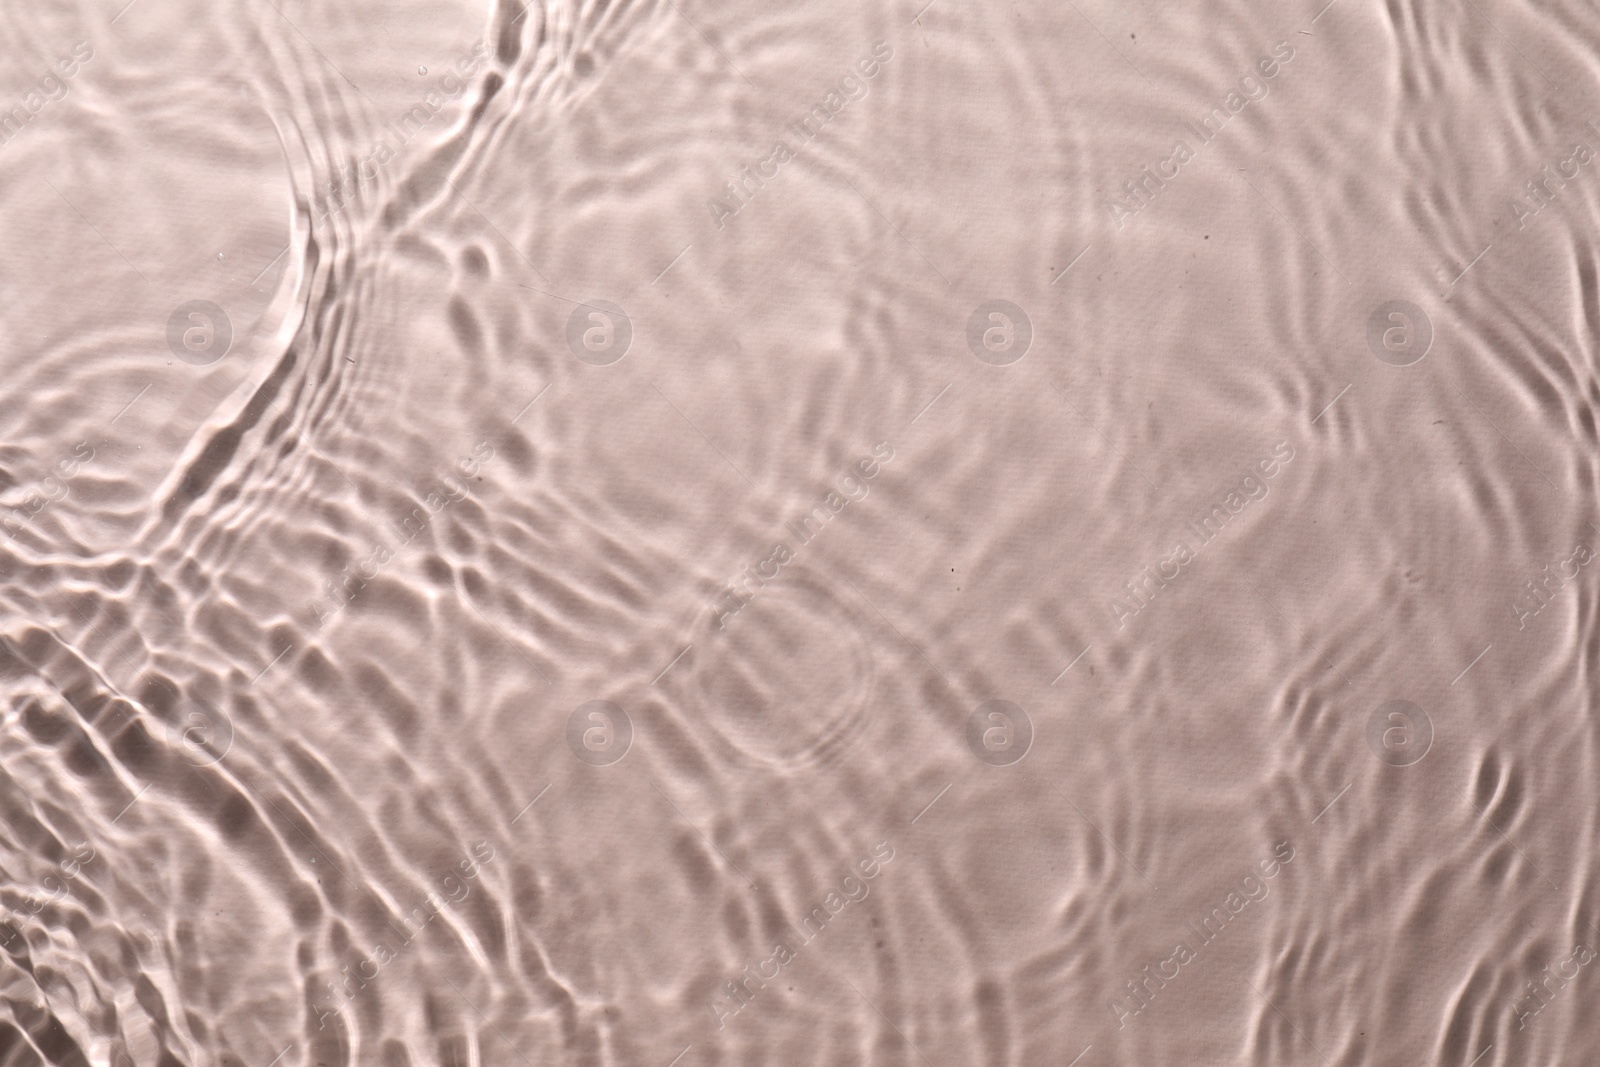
(674, 534)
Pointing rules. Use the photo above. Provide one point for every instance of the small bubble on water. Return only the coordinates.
(422, 70)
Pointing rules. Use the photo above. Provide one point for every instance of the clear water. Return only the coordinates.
(669, 534)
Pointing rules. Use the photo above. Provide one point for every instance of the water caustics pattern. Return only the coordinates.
(670, 534)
